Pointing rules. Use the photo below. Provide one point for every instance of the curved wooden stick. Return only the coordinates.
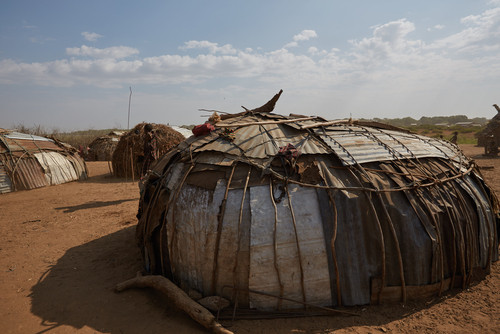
(179, 297)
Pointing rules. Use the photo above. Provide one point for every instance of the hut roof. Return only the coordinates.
(260, 136)
(268, 208)
(28, 161)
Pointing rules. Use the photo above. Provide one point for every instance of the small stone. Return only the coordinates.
(214, 303)
(194, 295)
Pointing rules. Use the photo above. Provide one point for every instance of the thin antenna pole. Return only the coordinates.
(129, 99)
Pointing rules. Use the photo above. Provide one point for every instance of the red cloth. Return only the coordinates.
(203, 129)
(289, 151)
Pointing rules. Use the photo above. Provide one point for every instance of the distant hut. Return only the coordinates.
(102, 148)
(28, 162)
(491, 132)
(275, 212)
(183, 131)
(128, 156)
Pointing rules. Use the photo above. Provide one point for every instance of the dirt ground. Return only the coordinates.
(63, 249)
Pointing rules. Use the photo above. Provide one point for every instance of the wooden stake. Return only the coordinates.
(132, 164)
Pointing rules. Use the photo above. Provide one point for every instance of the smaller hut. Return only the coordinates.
(102, 148)
(128, 156)
(490, 136)
(28, 162)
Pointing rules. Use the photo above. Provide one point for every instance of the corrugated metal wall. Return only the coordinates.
(30, 162)
(26, 173)
(57, 168)
(5, 183)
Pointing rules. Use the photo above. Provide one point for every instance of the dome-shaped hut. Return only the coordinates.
(102, 147)
(274, 212)
(28, 162)
(128, 156)
(489, 137)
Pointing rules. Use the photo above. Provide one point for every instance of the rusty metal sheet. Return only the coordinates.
(17, 143)
(26, 172)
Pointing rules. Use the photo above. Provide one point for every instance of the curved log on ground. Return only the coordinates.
(178, 296)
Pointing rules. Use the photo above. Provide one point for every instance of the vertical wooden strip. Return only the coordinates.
(220, 221)
(304, 299)
(275, 246)
(332, 245)
(235, 280)
(171, 202)
(439, 240)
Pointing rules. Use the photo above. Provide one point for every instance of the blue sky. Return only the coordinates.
(68, 65)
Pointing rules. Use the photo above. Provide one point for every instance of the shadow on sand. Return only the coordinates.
(78, 291)
(94, 204)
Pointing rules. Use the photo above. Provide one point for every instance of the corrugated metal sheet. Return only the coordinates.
(5, 183)
(57, 168)
(352, 143)
(361, 145)
(26, 172)
(25, 136)
(79, 166)
(263, 141)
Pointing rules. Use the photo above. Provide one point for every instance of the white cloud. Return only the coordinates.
(291, 45)
(389, 43)
(436, 27)
(115, 52)
(388, 58)
(316, 52)
(91, 36)
(305, 35)
(482, 33)
(211, 47)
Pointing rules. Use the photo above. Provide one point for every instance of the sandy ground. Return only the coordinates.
(63, 249)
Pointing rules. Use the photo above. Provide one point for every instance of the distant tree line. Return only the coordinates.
(450, 120)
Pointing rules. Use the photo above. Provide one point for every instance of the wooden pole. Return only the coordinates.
(234, 125)
(132, 164)
(129, 99)
(178, 296)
